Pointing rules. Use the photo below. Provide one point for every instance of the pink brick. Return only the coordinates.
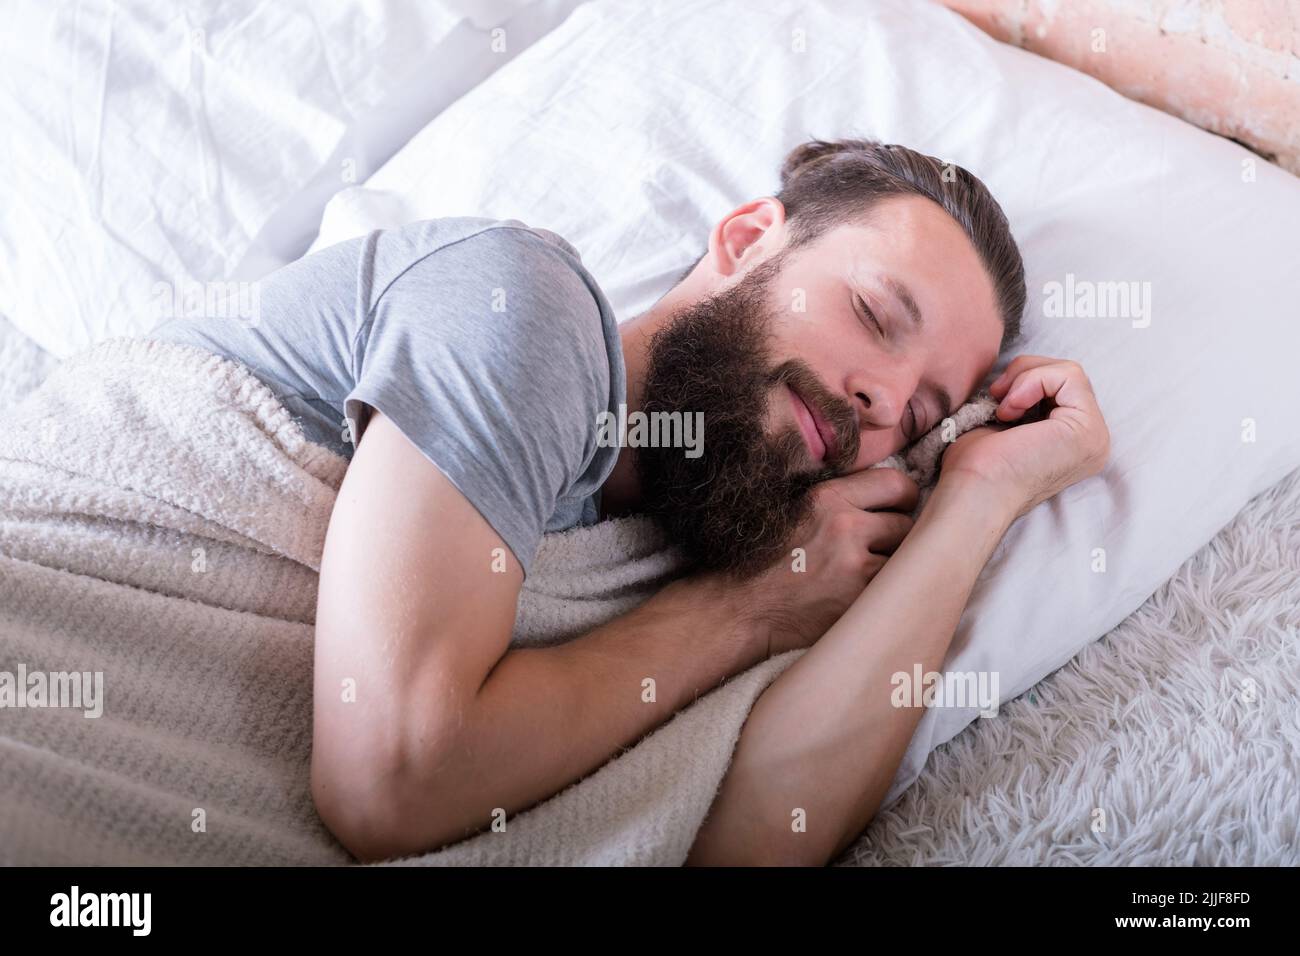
(1230, 66)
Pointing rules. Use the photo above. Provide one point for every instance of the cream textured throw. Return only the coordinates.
(920, 461)
(161, 522)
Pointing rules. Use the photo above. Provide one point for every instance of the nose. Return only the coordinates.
(881, 396)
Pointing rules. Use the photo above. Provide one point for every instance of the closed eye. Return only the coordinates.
(868, 314)
(916, 431)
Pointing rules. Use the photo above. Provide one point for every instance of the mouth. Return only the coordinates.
(817, 432)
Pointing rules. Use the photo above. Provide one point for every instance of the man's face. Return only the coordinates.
(913, 271)
(818, 362)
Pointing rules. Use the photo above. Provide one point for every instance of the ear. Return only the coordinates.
(746, 234)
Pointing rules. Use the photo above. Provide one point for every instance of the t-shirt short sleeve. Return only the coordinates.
(492, 355)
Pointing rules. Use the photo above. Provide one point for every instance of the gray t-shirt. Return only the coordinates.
(486, 342)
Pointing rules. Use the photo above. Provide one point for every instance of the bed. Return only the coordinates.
(1149, 710)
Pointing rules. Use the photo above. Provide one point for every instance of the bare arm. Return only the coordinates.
(424, 723)
(824, 737)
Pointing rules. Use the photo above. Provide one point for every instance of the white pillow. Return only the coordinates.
(489, 35)
(163, 143)
(630, 129)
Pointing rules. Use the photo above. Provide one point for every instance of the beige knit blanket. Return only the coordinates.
(161, 525)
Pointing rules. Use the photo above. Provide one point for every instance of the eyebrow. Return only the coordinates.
(904, 296)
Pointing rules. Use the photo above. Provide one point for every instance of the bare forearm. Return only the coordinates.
(545, 717)
(825, 737)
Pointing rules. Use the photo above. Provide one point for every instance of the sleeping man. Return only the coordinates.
(470, 368)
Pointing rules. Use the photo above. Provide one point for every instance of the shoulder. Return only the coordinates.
(487, 247)
(518, 292)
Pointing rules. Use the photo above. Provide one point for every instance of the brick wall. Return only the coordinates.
(1230, 66)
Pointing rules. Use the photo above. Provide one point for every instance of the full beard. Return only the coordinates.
(738, 506)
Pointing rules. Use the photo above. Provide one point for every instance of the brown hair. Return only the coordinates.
(827, 183)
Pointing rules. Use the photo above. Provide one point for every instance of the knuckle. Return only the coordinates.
(842, 522)
(897, 482)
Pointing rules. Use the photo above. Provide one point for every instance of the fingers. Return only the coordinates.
(875, 489)
(1064, 382)
(998, 387)
(1066, 385)
(1028, 389)
(887, 531)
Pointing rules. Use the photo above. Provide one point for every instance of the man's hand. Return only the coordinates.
(858, 520)
(1026, 465)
